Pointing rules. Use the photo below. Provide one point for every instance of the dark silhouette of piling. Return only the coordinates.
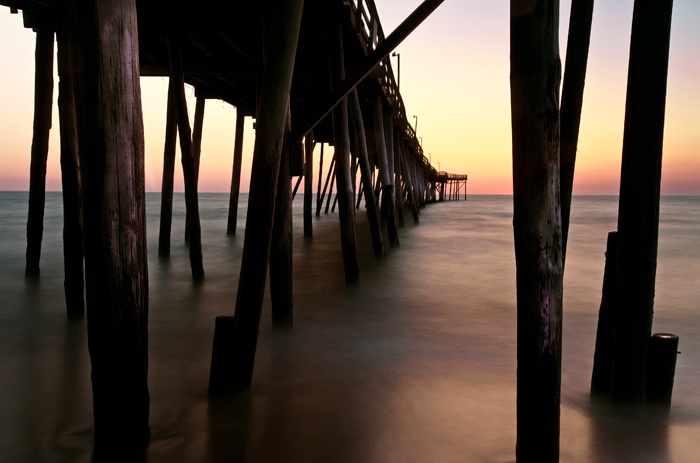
(112, 163)
(281, 295)
(73, 256)
(365, 175)
(187, 154)
(236, 174)
(308, 185)
(341, 142)
(43, 95)
(166, 196)
(603, 357)
(535, 76)
(577, 45)
(388, 203)
(280, 51)
(663, 350)
(640, 184)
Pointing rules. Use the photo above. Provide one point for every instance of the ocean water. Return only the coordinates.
(415, 363)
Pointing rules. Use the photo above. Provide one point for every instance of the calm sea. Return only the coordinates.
(415, 363)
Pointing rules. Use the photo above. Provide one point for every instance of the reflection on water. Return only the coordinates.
(414, 363)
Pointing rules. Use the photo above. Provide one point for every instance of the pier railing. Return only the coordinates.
(369, 30)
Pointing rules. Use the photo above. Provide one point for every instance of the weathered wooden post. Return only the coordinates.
(329, 179)
(73, 256)
(640, 184)
(189, 163)
(281, 295)
(398, 191)
(534, 79)
(43, 95)
(388, 203)
(341, 142)
(319, 200)
(308, 184)
(407, 174)
(197, 128)
(366, 176)
(272, 115)
(577, 44)
(603, 357)
(236, 175)
(166, 196)
(112, 174)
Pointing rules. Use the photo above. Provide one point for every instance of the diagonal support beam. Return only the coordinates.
(375, 57)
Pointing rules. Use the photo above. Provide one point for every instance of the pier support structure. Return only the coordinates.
(640, 186)
(43, 97)
(111, 145)
(535, 76)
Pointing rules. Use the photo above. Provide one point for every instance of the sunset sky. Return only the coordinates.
(454, 78)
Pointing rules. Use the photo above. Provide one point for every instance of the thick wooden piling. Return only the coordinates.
(73, 256)
(577, 45)
(388, 203)
(663, 350)
(640, 183)
(535, 76)
(187, 154)
(603, 357)
(236, 175)
(43, 100)
(166, 196)
(341, 142)
(112, 173)
(272, 115)
(281, 295)
(366, 176)
(308, 184)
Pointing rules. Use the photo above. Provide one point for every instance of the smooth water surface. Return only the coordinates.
(415, 363)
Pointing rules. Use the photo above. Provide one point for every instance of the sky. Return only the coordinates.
(454, 80)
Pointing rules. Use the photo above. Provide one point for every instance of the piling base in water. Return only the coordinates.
(663, 350)
(221, 378)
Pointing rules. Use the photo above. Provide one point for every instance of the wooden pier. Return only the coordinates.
(301, 69)
(316, 72)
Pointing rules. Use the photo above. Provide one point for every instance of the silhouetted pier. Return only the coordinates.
(310, 73)
(318, 72)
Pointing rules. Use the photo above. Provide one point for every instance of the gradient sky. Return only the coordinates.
(454, 78)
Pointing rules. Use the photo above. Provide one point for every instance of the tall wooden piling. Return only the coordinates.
(341, 142)
(577, 45)
(112, 163)
(366, 176)
(236, 174)
(187, 154)
(281, 295)
(640, 184)
(166, 196)
(319, 200)
(398, 190)
(308, 184)
(197, 128)
(388, 203)
(272, 115)
(73, 256)
(535, 76)
(43, 94)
